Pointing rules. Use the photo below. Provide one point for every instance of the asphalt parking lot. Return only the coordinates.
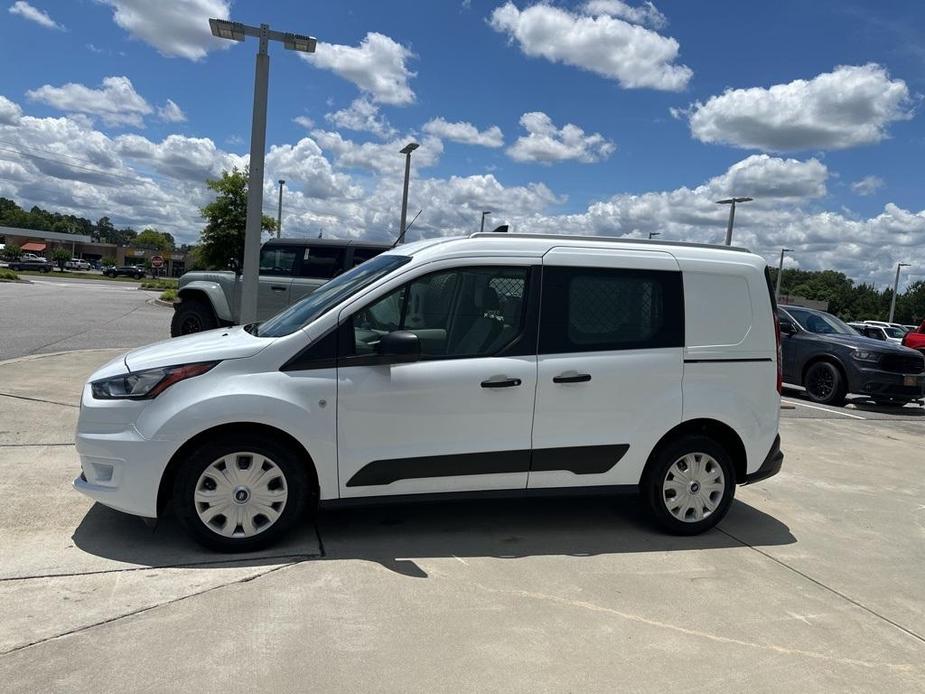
(812, 583)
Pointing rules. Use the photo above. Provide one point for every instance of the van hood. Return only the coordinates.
(211, 345)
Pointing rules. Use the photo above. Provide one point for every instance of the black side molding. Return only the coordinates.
(725, 361)
(580, 460)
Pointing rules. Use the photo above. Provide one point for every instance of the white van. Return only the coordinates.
(532, 364)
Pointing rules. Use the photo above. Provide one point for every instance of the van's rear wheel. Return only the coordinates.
(192, 316)
(825, 384)
(689, 485)
(240, 494)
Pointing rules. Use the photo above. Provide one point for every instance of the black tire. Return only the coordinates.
(655, 497)
(294, 479)
(46, 269)
(192, 316)
(825, 384)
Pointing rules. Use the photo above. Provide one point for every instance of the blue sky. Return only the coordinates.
(614, 117)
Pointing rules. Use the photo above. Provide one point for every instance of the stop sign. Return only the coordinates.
(157, 261)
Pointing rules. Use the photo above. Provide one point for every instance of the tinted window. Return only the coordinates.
(588, 309)
(820, 322)
(322, 262)
(361, 255)
(455, 313)
(277, 260)
(329, 295)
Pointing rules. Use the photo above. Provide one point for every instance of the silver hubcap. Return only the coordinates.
(693, 487)
(241, 494)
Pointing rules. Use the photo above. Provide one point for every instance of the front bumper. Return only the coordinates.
(771, 465)
(875, 382)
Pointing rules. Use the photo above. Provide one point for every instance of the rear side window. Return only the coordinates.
(596, 309)
(322, 262)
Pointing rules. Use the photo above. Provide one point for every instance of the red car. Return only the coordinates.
(916, 338)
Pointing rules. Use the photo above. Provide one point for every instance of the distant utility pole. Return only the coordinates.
(406, 150)
(732, 214)
(895, 289)
(279, 210)
(482, 228)
(235, 31)
(653, 234)
(780, 271)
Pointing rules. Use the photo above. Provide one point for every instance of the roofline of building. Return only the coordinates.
(45, 235)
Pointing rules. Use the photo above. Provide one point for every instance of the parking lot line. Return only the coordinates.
(824, 409)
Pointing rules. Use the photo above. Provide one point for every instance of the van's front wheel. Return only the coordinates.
(240, 495)
(689, 485)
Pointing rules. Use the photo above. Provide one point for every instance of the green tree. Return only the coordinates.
(158, 240)
(61, 256)
(223, 236)
(12, 251)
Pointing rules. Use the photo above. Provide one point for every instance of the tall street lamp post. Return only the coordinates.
(780, 271)
(895, 289)
(732, 214)
(486, 212)
(653, 234)
(235, 31)
(406, 150)
(279, 210)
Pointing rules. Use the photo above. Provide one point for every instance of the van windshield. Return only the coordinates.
(328, 295)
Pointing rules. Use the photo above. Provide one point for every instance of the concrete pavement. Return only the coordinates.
(812, 583)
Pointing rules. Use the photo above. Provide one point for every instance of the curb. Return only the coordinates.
(161, 302)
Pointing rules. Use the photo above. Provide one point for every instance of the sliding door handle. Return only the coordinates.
(277, 288)
(501, 383)
(571, 378)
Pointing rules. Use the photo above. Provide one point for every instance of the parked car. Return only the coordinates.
(915, 339)
(290, 269)
(884, 324)
(886, 333)
(508, 363)
(135, 271)
(29, 261)
(77, 264)
(830, 360)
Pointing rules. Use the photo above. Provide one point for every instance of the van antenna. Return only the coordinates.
(401, 238)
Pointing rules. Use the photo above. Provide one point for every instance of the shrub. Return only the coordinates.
(169, 295)
(7, 275)
(161, 283)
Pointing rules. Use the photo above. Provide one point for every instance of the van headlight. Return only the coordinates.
(147, 384)
(862, 355)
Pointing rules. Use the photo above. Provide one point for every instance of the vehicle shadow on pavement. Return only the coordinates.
(392, 535)
(119, 537)
(578, 527)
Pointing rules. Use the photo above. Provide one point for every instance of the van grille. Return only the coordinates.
(902, 364)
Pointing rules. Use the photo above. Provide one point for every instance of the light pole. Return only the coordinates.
(732, 214)
(780, 271)
(482, 228)
(235, 31)
(653, 234)
(895, 289)
(406, 150)
(279, 210)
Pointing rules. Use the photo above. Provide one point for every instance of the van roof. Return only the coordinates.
(608, 239)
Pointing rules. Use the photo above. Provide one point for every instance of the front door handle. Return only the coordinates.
(501, 382)
(571, 378)
(277, 288)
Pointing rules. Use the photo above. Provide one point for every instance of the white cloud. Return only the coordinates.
(850, 106)
(646, 14)
(116, 102)
(363, 116)
(304, 121)
(868, 185)
(33, 14)
(632, 55)
(545, 143)
(761, 176)
(377, 66)
(10, 112)
(176, 28)
(303, 165)
(178, 157)
(171, 113)
(465, 132)
(383, 158)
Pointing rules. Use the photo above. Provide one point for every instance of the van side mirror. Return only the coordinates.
(400, 347)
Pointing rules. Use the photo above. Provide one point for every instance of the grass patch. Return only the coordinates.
(169, 295)
(7, 275)
(78, 275)
(160, 283)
